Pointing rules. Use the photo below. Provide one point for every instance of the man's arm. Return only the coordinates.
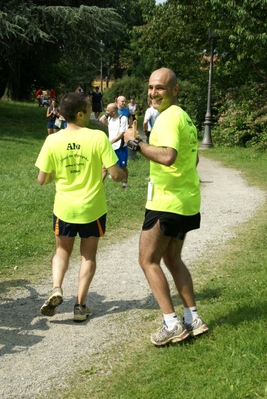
(117, 138)
(145, 122)
(145, 127)
(103, 120)
(45, 178)
(130, 120)
(163, 155)
(117, 173)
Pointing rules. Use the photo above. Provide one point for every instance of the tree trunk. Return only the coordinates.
(12, 90)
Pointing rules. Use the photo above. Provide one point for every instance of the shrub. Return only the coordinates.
(194, 102)
(242, 118)
(128, 87)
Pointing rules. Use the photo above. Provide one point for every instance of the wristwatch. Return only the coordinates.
(134, 145)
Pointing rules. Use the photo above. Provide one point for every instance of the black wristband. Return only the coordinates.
(134, 145)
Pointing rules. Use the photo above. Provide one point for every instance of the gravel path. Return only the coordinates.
(37, 351)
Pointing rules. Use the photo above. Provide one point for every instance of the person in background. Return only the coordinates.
(117, 125)
(52, 94)
(46, 98)
(133, 108)
(97, 102)
(172, 207)
(79, 89)
(52, 113)
(123, 110)
(39, 97)
(73, 159)
(151, 115)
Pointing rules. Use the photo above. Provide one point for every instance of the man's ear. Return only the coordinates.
(176, 89)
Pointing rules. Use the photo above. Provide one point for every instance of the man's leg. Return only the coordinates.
(125, 169)
(60, 263)
(184, 284)
(179, 272)
(153, 244)
(88, 266)
(87, 270)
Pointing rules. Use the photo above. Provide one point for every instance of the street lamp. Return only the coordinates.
(207, 141)
(107, 77)
(102, 49)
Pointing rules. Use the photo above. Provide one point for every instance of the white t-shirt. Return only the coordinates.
(151, 116)
(132, 108)
(116, 126)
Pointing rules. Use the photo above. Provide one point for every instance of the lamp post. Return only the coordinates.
(207, 140)
(107, 77)
(102, 49)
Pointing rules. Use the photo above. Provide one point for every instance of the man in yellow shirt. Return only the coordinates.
(172, 208)
(73, 158)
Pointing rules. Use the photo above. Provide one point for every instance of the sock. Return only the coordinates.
(170, 320)
(190, 314)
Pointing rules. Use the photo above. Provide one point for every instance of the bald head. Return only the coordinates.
(112, 109)
(165, 75)
(121, 101)
(163, 89)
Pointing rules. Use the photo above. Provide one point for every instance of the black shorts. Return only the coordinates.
(171, 224)
(92, 229)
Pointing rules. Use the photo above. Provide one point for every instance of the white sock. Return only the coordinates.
(170, 320)
(190, 314)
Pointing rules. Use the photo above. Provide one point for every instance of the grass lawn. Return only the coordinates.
(228, 363)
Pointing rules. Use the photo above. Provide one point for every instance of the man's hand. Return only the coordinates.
(131, 133)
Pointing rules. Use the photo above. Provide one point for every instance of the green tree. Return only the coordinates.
(176, 32)
(63, 32)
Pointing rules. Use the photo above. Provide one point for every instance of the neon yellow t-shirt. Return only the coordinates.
(175, 187)
(77, 158)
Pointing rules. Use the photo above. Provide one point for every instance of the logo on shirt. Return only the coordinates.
(73, 146)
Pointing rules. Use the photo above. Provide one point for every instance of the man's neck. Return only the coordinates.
(73, 126)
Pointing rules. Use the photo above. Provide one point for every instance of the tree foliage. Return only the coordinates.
(56, 42)
(29, 30)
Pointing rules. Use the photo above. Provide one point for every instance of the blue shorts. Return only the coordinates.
(95, 229)
(51, 125)
(171, 224)
(122, 154)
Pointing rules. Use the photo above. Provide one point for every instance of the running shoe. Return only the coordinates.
(164, 336)
(55, 299)
(81, 312)
(197, 327)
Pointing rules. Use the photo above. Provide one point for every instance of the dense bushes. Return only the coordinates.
(242, 118)
(193, 99)
(128, 87)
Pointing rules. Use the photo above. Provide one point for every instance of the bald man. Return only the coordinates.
(123, 110)
(172, 207)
